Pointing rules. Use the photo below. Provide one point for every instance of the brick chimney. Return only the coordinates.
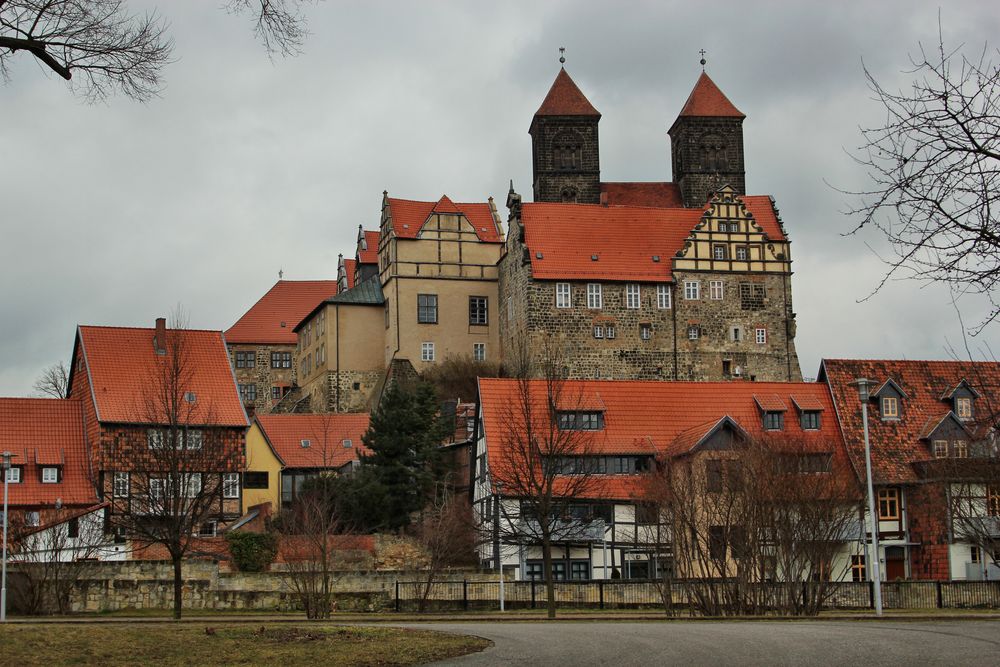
(160, 336)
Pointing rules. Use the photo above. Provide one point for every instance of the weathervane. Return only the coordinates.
(281, 274)
(702, 52)
(562, 55)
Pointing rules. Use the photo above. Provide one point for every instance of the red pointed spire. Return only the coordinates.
(707, 100)
(565, 99)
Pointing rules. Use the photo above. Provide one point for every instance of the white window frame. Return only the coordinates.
(193, 438)
(663, 297)
(120, 485)
(940, 449)
(742, 253)
(427, 351)
(715, 290)
(609, 331)
(50, 475)
(694, 332)
(598, 331)
(595, 300)
(692, 290)
(154, 438)
(633, 296)
(231, 485)
(192, 484)
(760, 335)
(14, 475)
(564, 295)
(645, 331)
(479, 351)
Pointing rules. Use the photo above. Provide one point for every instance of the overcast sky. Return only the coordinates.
(113, 214)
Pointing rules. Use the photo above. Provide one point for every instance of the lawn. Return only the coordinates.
(226, 644)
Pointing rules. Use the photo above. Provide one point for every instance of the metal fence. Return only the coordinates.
(637, 594)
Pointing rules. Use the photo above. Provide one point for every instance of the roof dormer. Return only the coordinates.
(962, 399)
(890, 400)
(773, 411)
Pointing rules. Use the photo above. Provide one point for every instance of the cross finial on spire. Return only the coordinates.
(562, 55)
(702, 52)
(281, 274)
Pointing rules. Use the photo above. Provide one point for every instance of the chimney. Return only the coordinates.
(604, 199)
(160, 336)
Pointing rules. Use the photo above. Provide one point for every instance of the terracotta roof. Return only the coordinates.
(807, 402)
(349, 268)
(288, 301)
(664, 418)
(657, 195)
(896, 445)
(369, 254)
(706, 100)
(770, 402)
(934, 422)
(46, 430)
(408, 217)
(565, 99)
(325, 432)
(762, 209)
(122, 365)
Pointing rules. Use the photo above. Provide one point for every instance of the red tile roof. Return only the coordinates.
(349, 267)
(44, 431)
(369, 255)
(657, 195)
(325, 432)
(896, 445)
(762, 209)
(409, 216)
(287, 302)
(122, 366)
(706, 100)
(770, 402)
(565, 99)
(644, 417)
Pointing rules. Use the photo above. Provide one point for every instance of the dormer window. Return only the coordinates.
(50, 475)
(963, 407)
(809, 420)
(774, 421)
(580, 420)
(890, 407)
(940, 449)
(14, 474)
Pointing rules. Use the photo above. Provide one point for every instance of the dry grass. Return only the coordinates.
(229, 644)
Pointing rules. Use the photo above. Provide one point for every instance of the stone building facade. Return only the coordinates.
(674, 281)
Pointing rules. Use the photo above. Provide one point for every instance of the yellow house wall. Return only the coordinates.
(260, 458)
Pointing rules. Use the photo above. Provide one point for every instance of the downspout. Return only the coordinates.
(336, 311)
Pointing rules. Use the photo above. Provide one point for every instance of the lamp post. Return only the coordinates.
(498, 554)
(876, 575)
(5, 467)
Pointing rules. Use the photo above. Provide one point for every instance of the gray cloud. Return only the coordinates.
(115, 213)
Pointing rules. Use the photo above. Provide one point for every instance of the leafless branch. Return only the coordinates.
(53, 381)
(279, 24)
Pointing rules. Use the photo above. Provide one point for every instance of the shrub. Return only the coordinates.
(252, 552)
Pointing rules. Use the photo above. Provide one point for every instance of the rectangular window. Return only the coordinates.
(694, 332)
(50, 475)
(975, 554)
(774, 421)
(534, 571)
(963, 407)
(890, 407)
(32, 519)
(632, 296)
(715, 290)
(940, 449)
(961, 449)
(993, 501)
(691, 290)
(735, 334)
(231, 485)
(246, 359)
(594, 300)
(255, 480)
(14, 475)
(888, 504)
(193, 438)
(192, 486)
(741, 253)
(598, 331)
(609, 331)
(479, 351)
(154, 436)
(858, 569)
(646, 514)
(579, 570)
(248, 392)
(121, 485)
(713, 476)
(559, 570)
(717, 542)
(427, 352)
(645, 331)
(427, 308)
(580, 421)
(719, 252)
(275, 393)
(73, 528)
(663, 296)
(564, 298)
(809, 420)
(761, 335)
(478, 310)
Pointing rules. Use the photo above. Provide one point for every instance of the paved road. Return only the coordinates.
(620, 644)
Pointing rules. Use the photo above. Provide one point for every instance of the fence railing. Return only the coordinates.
(640, 594)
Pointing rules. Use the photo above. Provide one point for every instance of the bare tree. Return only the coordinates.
(447, 535)
(170, 480)
(102, 48)
(935, 171)
(54, 381)
(546, 461)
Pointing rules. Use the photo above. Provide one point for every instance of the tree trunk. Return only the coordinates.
(178, 587)
(550, 588)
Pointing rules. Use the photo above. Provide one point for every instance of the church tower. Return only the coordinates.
(565, 155)
(706, 144)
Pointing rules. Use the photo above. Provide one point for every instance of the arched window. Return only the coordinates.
(713, 153)
(568, 151)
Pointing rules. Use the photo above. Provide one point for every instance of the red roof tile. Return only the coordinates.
(350, 266)
(287, 302)
(655, 417)
(368, 254)
(896, 445)
(807, 402)
(46, 430)
(409, 216)
(706, 100)
(656, 195)
(122, 365)
(565, 99)
(325, 432)
(770, 402)
(761, 208)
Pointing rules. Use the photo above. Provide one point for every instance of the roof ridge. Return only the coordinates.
(153, 329)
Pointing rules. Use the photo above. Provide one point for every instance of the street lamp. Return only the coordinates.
(5, 467)
(863, 386)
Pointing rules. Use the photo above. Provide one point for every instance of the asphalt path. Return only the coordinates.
(864, 643)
